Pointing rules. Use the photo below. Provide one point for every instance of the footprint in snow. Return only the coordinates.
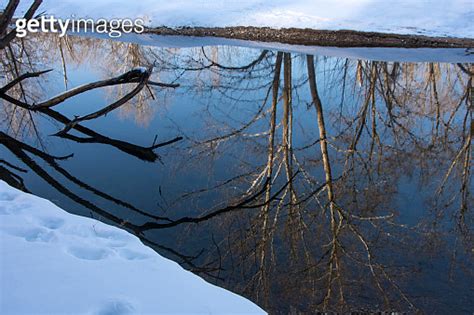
(132, 255)
(110, 235)
(51, 222)
(88, 253)
(7, 196)
(32, 234)
(116, 307)
(9, 208)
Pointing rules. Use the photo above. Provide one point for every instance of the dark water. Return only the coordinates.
(362, 202)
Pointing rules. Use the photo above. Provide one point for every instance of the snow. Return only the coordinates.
(428, 17)
(53, 262)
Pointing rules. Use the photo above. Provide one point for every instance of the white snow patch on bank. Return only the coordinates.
(53, 262)
(428, 17)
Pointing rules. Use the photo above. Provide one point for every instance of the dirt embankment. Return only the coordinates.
(342, 38)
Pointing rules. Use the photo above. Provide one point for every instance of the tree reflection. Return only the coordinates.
(309, 213)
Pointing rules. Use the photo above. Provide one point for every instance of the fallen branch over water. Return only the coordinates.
(137, 75)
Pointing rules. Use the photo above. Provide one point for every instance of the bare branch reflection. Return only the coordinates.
(305, 183)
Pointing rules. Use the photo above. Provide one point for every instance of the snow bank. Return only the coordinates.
(428, 17)
(53, 262)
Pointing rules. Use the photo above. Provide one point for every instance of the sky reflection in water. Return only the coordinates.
(374, 213)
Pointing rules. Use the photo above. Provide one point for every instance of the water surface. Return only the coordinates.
(304, 183)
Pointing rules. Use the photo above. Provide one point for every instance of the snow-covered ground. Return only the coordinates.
(53, 262)
(428, 17)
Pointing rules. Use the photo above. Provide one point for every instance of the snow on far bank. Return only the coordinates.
(53, 262)
(427, 17)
